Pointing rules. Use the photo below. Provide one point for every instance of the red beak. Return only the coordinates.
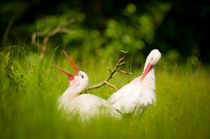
(146, 71)
(70, 75)
(75, 67)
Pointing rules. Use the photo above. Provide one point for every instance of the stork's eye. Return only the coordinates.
(82, 76)
(152, 58)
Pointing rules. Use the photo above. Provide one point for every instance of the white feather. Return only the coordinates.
(135, 94)
(138, 94)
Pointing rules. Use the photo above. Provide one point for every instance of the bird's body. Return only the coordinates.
(134, 97)
(86, 106)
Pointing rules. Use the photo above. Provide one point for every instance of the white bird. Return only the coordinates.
(86, 106)
(134, 97)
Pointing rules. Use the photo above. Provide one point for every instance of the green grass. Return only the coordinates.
(30, 88)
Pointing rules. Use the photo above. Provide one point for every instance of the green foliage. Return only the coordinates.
(16, 73)
(132, 33)
(49, 23)
(137, 26)
(130, 9)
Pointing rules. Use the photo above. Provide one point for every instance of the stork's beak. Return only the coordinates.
(70, 75)
(146, 71)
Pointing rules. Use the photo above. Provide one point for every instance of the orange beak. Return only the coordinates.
(70, 75)
(146, 71)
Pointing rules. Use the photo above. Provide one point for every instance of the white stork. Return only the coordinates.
(86, 106)
(134, 97)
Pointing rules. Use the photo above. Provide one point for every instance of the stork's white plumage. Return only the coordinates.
(86, 106)
(134, 97)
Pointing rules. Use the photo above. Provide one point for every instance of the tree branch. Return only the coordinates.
(105, 82)
(46, 36)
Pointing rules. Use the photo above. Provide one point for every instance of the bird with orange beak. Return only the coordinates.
(134, 97)
(86, 106)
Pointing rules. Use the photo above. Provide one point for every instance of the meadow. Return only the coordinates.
(30, 88)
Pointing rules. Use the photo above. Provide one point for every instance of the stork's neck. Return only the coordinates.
(67, 96)
(71, 92)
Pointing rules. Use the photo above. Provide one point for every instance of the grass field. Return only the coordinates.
(30, 88)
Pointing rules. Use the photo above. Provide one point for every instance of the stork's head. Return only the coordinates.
(152, 59)
(80, 80)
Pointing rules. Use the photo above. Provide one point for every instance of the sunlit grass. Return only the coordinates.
(28, 107)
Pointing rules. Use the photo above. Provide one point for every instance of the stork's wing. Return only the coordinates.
(126, 99)
(120, 94)
(124, 92)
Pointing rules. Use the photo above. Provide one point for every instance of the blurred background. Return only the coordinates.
(179, 29)
(34, 33)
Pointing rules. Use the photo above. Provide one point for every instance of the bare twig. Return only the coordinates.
(129, 73)
(46, 36)
(35, 35)
(105, 82)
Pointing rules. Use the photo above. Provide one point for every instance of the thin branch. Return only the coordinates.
(113, 86)
(35, 35)
(105, 82)
(46, 36)
(129, 73)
